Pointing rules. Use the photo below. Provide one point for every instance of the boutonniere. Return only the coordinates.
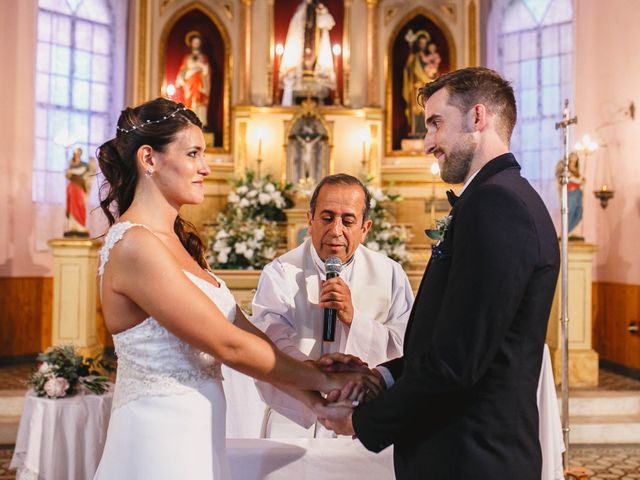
(437, 234)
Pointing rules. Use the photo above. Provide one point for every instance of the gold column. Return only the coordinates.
(346, 54)
(139, 31)
(373, 95)
(245, 53)
(241, 147)
(270, 51)
(472, 15)
(583, 360)
(75, 263)
(374, 168)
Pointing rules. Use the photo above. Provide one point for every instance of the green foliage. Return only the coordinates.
(62, 370)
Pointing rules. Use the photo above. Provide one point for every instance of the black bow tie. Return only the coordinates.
(452, 197)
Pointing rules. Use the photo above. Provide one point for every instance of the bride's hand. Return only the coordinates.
(372, 384)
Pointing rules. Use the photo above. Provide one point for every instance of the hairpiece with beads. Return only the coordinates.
(151, 122)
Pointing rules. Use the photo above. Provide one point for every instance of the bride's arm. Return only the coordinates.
(143, 270)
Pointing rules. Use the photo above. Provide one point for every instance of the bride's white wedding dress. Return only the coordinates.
(169, 409)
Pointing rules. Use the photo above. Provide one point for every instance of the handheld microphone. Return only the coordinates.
(332, 266)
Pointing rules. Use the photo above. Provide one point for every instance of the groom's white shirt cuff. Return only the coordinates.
(386, 375)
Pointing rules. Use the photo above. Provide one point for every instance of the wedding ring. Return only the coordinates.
(355, 403)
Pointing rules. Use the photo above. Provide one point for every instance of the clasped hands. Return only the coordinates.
(351, 382)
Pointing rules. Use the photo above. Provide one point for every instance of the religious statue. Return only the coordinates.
(307, 151)
(194, 77)
(80, 175)
(574, 191)
(422, 66)
(307, 61)
(307, 141)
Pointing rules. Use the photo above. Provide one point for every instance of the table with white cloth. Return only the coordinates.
(61, 438)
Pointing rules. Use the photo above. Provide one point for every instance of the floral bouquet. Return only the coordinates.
(62, 369)
(260, 197)
(384, 237)
(242, 242)
(247, 235)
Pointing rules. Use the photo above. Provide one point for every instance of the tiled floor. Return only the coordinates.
(619, 462)
(610, 462)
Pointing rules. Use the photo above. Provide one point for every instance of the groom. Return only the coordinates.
(462, 402)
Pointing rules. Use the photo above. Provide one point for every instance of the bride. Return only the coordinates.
(173, 320)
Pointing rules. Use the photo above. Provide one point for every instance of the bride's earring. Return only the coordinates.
(149, 172)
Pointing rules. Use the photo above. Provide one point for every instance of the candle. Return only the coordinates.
(260, 148)
(604, 188)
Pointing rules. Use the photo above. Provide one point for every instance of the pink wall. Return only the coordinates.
(18, 254)
(607, 79)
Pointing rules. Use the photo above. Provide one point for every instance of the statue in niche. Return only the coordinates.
(307, 151)
(422, 66)
(574, 192)
(80, 175)
(307, 65)
(194, 77)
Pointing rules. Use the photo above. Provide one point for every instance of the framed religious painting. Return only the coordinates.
(420, 49)
(308, 51)
(195, 67)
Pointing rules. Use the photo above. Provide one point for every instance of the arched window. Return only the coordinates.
(74, 88)
(535, 52)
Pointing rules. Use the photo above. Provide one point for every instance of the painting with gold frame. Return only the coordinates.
(420, 49)
(195, 68)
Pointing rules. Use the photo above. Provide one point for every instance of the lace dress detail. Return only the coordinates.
(153, 361)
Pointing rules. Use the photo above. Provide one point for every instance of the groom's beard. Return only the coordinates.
(457, 163)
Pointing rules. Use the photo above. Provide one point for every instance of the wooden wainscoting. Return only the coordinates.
(615, 307)
(25, 315)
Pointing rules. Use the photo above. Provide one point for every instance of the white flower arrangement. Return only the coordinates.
(385, 237)
(247, 234)
(63, 370)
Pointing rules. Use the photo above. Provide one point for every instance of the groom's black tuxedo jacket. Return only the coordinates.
(463, 405)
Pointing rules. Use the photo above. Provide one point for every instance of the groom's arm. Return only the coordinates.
(494, 250)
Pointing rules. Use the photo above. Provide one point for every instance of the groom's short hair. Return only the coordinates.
(470, 86)
(341, 179)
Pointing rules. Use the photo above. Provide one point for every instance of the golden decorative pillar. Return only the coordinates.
(270, 52)
(472, 15)
(583, 360)
(346, 54)
(139, 32)
(75, 263)
(245, 53)
(373, 94)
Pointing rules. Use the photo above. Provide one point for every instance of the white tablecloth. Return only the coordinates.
(62, 438)
(310, 459)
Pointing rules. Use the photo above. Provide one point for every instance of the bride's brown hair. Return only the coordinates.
(154, 123)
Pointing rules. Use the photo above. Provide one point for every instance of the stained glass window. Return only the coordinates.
(535, 52)
(74, 75)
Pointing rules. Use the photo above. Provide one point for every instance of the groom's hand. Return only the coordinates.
(337, 417)
(336, 294)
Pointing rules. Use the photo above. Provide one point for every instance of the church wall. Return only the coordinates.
(18, 254)
(607, 76)
(606, 80)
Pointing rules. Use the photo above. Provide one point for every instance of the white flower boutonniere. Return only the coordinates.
(437, 233)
